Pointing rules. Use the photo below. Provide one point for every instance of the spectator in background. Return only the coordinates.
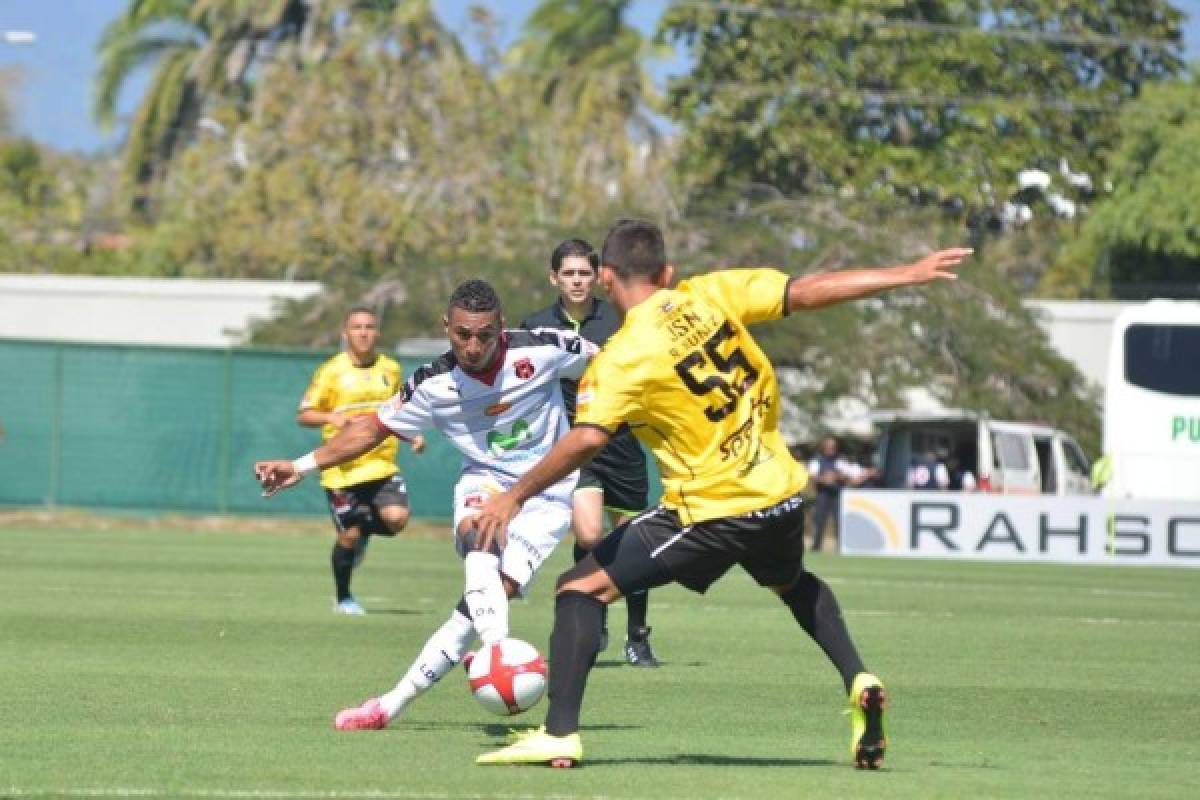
(366, 495)
(962, 479)
(928, 472)
(831, 473)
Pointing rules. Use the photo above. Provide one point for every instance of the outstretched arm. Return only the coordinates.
(838, 286)
(314, 418)
(360, 435)
(568, 454)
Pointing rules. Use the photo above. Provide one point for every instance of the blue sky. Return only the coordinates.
(53, 97)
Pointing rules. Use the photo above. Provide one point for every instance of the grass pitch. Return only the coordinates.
(177, 659)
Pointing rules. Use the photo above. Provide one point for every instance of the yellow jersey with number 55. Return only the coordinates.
(698, 391)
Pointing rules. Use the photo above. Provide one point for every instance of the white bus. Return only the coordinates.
(1152, 402)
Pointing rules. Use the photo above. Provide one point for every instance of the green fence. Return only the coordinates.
(170, 429)
(173, 429)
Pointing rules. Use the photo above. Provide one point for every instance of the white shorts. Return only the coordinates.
(532, 535)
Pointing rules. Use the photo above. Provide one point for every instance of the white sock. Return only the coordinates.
(485, 596)
(442, 651)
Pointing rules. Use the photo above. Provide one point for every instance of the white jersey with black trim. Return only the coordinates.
(502, 422)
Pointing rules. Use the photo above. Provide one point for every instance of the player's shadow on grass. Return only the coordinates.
(708, 760)
(610, 663)
(399, 612)
(501, 730)
(498, 731)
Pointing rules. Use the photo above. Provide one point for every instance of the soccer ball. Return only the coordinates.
(508, 677)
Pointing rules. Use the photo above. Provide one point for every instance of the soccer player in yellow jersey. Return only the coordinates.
(367, 495)
(686, 375)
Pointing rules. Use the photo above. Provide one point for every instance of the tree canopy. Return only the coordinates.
(941, 101)
(364, 144)
(1144, 241)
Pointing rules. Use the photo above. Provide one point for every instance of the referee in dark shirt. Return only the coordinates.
(615, 481)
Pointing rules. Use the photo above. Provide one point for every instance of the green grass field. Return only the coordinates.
(181, 660)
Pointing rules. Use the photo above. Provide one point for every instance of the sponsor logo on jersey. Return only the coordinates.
(496, 409)
(524, 369)
(478, 495)
(585, 392)
(500, 442)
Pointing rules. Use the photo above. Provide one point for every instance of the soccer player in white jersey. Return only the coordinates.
(496, 397)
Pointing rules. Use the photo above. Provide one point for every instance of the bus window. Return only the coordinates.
(1162, 358)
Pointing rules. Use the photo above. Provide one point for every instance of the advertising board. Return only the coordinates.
(1064, 529)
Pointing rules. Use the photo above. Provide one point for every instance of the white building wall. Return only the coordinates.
(215, 313)
(162, 311)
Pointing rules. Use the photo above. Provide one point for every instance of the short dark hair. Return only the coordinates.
(359, 309)
(634, 248)
(573, 247)
(475, 295)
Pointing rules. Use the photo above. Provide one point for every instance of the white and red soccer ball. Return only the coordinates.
(507, 677)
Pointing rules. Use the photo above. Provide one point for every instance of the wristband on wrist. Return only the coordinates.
(305, 464)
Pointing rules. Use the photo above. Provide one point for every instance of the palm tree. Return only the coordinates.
(587, 57)
(588, 68)
(202, 49)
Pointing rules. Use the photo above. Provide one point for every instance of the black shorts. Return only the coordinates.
(625, 491)
(354, 506)
(654, 549)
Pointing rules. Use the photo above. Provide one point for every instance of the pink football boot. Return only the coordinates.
(370, 716)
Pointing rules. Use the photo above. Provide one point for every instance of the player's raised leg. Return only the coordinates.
(816, 609)
(442, 651)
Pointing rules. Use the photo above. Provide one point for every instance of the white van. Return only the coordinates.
(1003, 457)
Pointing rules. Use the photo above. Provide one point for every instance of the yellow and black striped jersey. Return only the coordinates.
(698, 391)
(340, 385)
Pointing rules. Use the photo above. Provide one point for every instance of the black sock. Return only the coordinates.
(342, 559)
(636, 604)
(580, 554)
(816, 609)
(573, 645)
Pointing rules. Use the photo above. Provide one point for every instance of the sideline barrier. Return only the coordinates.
(177, 429)
(171, 429)
(1050, 528)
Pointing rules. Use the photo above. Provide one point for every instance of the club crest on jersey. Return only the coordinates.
(524, 369)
